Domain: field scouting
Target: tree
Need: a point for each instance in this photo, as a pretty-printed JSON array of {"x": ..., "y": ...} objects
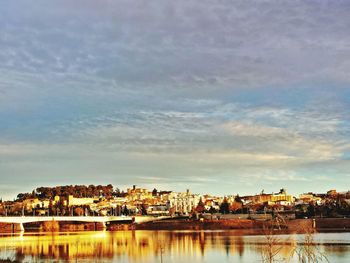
[
  {"x": 200, "y": 206},
  {"x": 235, "y": 206},
  {"x": 51, "y": 207},
  {"x": 212, "y": 210},
  {"x": 107, "y": 191},
  {"x": 116, "y": 192},
  {"x": 79, "y": 211},
  {"x": 238, "y": 199},
  {"x": 22, "y": 196},
  {"x": 78, "y": 191},
  {"x": 311, "y": 210},
  {"x": 61, "y": 208},
  {"x": 154, "y": 192},
  {"x": 45, "y": 192},
  {"x": 143, "y": 209},
  {"x": 125, "y": 211},
  {"x": 225, "y": 207}
]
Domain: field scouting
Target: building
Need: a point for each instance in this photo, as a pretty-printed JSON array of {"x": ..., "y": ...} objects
[
  {"x": 183, "y": 203},
  {"x": 332, "y": 192},
  {"x": 212, "y": 202},
  {"x": 73, "y": 201},
  {"x": 275, "y": 198},
  {"x": 309, "y": 198},
  {"x": 158, "y": 210},
  {"x": 138, "y": 194}
]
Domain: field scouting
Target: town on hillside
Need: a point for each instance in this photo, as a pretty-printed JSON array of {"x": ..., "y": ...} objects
[{"x": 81, "y": 200}]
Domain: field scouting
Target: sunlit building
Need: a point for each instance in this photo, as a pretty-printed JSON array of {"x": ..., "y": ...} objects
[
  {"x": 138, "y": 194},
  {"x": 73, "y": 201},
  {"x": 183, "y": 203},
  {"x": 309, "y": 198},
  {"x": 275, "y": 198}
]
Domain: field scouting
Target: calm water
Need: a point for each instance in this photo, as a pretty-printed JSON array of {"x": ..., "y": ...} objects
[{"x": 163, "y": 246}]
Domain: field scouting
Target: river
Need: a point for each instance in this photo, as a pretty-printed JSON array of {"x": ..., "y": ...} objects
[{"x": 170, "y": 246}]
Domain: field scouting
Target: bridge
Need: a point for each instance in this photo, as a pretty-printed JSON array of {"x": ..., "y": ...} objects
[{"x": 84, "y": 219}]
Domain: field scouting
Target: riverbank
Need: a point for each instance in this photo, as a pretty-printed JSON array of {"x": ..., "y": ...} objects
[
  {"x": 52, "y": 226},
  {"x": 295, "y": 225}
]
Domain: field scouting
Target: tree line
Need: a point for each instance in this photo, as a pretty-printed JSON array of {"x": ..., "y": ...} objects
[{"x": 78, "y": 191}]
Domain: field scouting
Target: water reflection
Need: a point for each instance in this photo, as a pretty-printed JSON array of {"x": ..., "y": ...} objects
[{"x": 154, "y": 246}]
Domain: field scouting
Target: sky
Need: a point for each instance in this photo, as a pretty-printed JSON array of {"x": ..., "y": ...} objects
[{"x": 220, "y": 97}]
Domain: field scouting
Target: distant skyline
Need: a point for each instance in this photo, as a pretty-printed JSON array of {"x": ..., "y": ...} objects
[{"x": 220, "y": 97}]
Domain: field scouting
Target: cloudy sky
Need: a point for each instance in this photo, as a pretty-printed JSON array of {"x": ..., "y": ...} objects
[{"x": 217, "y": 96}]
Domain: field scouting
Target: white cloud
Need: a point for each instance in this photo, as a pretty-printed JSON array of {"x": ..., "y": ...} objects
[{"x": 188, "y": 89}]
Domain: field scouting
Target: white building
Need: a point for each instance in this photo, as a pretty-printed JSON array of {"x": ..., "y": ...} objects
[{"x": 183, "y": 203}]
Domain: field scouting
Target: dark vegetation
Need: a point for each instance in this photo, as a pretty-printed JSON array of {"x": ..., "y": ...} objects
[{"x": 79, "y": 191}]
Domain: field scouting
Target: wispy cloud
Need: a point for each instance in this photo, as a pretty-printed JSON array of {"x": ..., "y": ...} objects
[{"x": 191, "y": 91}]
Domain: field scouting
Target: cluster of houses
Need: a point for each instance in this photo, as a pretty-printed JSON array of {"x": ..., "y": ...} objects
[{"x": 140, "y": 201}]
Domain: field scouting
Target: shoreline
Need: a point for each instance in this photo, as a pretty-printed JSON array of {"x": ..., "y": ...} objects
[{"x": 288, "y": 226}]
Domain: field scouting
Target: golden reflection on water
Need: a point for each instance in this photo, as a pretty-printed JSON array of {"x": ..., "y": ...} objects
[{"x": 133, "y": 246}]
